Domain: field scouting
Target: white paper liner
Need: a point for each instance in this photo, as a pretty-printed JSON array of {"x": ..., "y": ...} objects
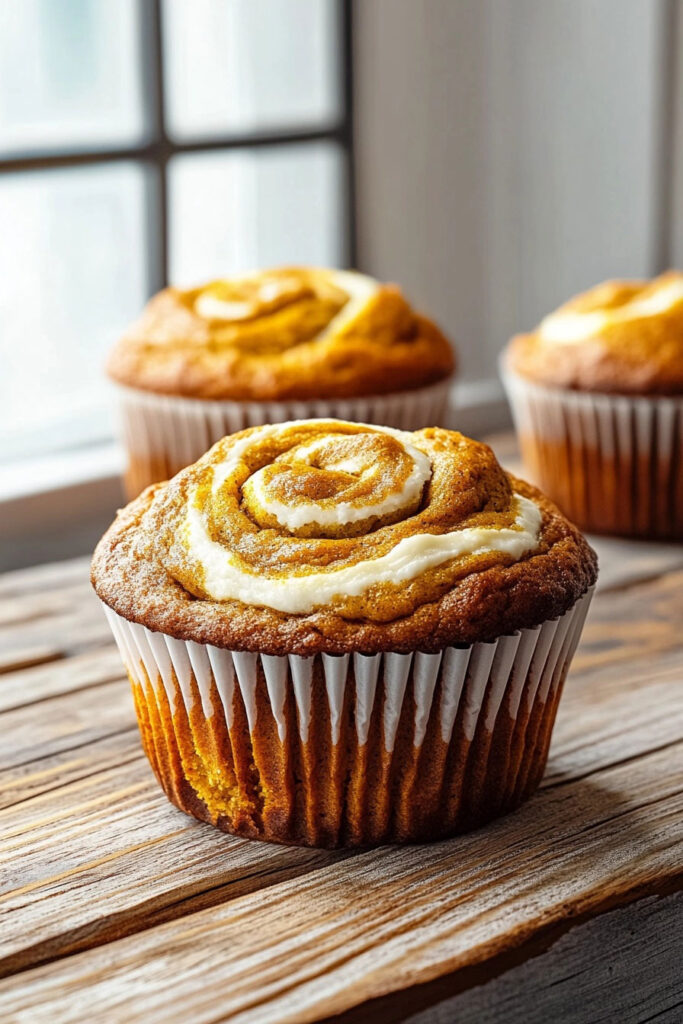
[
  {"x": 623, "y": 470},
  {"x": 478, "y": 685},
  {"x": 165, "y": 433}
]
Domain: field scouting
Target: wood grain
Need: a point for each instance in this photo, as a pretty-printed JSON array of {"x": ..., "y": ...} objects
[
  {"x": 354, "y": 930},
  {"x": 44, "y": 615},
  {"x": 575, "y": 983},
  {"x": 37, "y": 681},
  {"x": 52, "y": 576},
  {"x": 112, "y": 903}
]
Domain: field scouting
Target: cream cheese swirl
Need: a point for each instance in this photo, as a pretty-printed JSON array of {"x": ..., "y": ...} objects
[
  {"x": 326, "y": 514},
  {"x": 568, "y": 326},
  {"x": 257, "y": 292},
  {"x": 412, "y": 556},
  {"x": 368, "y": 521}
]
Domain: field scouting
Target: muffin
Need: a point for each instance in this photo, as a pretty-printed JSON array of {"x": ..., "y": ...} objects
[
  {"x": 269, "y": 347},
  {"x": 597, "y": 396},
  {"x": 339, "y": 634}
]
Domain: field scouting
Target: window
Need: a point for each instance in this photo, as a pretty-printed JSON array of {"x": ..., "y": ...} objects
[{"x": 147, "y": 141}]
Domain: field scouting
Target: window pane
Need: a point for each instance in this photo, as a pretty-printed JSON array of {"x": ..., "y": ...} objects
[
  {"x": 70, "y": 74},
  {"x": 246, "y": 65},
  {"x": 71, "y": 280},
  {"x": 237, "y": 210}
]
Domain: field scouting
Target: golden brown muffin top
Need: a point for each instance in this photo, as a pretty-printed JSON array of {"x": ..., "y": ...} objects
[
  {"x": 291, "y": 333},
  {"x": 322, "y": 535},
  {"x": 623, "y": 337}
]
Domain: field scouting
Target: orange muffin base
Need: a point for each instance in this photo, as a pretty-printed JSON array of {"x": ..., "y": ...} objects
[
  {"x": 640, "y": 497},
  {"x": 613, "y": 464},
  {"x": 437, "y": 744}
]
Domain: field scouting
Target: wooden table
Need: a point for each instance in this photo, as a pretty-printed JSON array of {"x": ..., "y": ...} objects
[{"x": 116, "y": 907}]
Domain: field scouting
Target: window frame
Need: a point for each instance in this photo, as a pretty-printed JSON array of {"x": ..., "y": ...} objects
[
  {"x": 76, "y": 487},
  {"x": 158, "y": 147}
]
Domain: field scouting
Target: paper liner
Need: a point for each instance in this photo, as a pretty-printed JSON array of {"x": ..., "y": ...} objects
[
  {"x": 613, "y": 463},
  {"x": 354, "y": 749},
  {"x": 163, "y": 433}
]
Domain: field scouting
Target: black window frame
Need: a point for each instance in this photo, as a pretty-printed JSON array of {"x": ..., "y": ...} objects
[{"x": 158, "y": 147}]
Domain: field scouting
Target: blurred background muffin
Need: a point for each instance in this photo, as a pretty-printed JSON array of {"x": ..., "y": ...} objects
[
  {"x": 269, "y": 347},
  {"x": 597, "y": 394}
]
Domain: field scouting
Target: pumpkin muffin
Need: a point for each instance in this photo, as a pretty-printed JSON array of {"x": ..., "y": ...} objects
[
  {"x": 339, "y": 634},
  {"x": 268, "y": 347},
  {"x": 597, "y": 395}
]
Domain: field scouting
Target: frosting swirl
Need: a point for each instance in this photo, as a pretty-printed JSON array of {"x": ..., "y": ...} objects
[
  {"x": 317, "y": 303},
  {"x": 579, "y": 320},
  {"x": 623, "y": 337},
  {"x": 368, "y": 521},
  {"x": 290, "y": 333}
]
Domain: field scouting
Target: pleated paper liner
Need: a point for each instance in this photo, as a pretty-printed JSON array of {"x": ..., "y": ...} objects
[
  {"x": 349, "y": 750},
  {"x": 613, "y": 463},
  {"x": 162, "y": 433}
]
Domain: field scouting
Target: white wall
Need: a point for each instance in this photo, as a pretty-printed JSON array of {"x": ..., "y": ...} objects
[
  {"x": 508, "y": 155},
  {"x": 672, "y": 207}
]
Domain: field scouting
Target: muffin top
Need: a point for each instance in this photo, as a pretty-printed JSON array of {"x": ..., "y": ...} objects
[
  {"x": 323, "y": 535},
  {"x": 623, "y": 337},
  {"x": 291, "y": 333}
]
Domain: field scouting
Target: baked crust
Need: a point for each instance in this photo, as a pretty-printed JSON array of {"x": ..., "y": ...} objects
[
  {"x": 638, "y": 355},
  {"x": 136, "y": 568},
  {"x": 277, "y": 336}
]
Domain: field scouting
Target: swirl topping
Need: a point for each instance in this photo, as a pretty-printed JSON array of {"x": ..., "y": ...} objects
[
  {"x": 286, "y": 333},
  {"x": 335, "y": 483},
  {"x": 620, "y": 337},
  {"x": 324, "y": 302},
  {"x": 368, "y": 521},
  {"x": 607, "y": 307}
]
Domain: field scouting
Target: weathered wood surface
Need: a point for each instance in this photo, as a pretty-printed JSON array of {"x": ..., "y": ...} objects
[
  {"x": 635, "y": 949},
  {"x": 116, "y": 907}
]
